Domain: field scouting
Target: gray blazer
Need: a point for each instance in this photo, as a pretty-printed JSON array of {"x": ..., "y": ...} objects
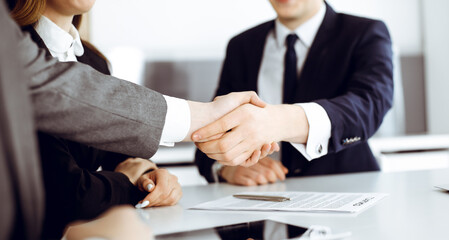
[
  {"x": 70, "y": 100},
  {"x": 75, "y": 102},
  {"x": 21, "y": 191}
]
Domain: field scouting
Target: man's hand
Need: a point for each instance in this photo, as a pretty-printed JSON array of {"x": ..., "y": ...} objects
[
  {"x": 117, "y": 223},
  {"x": 246, "y": 129},
  {"x": 206, "y": 113},
  {"x": 267, "y": 170},
  {"x": 163, "y": 187},
  {"x": 133, "y": 168}
]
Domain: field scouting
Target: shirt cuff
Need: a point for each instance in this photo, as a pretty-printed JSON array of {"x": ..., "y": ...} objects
[
  {"x": 216, "y": 168},
  {"x": 319, "y": 132},
  {"x": 177, "y": 121}
]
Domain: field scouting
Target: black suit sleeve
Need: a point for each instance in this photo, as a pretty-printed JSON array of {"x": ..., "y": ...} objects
[
  {"x": 360, "y": 110},
  {"x": 75, "y": 193}
]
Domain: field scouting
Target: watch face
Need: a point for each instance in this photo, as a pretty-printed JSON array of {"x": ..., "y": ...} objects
[{"x": 259, "y": 230}]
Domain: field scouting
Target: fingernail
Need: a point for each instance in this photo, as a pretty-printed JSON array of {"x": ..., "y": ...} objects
[
  {"x": 138, "y": 206},
  {"x": 149, "y": 186},
  {"x": 196, "y": 137},
  {"x": 144, "y": 204}
]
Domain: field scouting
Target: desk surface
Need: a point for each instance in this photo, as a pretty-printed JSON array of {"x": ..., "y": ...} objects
[{"x": 414, "y": 209}]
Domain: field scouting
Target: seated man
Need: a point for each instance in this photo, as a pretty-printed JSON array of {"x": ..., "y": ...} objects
[{"x": 329, "y": 78}]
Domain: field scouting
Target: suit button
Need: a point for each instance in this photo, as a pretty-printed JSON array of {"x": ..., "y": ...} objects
[
  {"x": 298, "y": 170},
  {"x": 319, "y": 149}
]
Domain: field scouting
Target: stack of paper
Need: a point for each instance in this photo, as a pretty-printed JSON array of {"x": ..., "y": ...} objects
[{"x": 299, "y": 201}]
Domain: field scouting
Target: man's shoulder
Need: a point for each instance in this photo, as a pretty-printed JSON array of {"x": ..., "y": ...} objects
[
  {"x": 355, "y": 23},
  {"x": 255, "y": 33}
]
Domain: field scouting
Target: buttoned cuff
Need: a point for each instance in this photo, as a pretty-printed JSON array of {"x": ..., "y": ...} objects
[
  {"x": 177, "y": 121},
  {"x": 319, "y": 132}
]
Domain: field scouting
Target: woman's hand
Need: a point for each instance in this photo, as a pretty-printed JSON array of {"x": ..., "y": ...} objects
[
  {"x": 133, "y": 168},
  {"x": 163, "y": 189}
]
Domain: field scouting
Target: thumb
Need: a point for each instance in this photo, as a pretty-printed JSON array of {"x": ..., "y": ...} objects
[
  {"x": 255, "y": 100},
  {"x": 146, "y": 184},
  {"x": 250, "y": 97}
]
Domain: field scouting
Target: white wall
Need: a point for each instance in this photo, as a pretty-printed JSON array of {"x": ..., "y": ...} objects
[
  {"x": 436, "y": 48},
  {"x": 180, "y": 29},
  {"x": 175, "y": 29},
  {"x": 403, "y": 18}
]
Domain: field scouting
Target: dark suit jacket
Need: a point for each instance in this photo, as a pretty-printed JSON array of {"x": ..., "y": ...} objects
[
  {"x": 74, "y": 189},
  {"x": 348, "y": 71}
]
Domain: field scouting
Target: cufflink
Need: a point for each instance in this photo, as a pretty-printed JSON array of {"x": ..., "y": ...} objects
[
  {"x": 348, "y": 141},
  {"x": 319, "y": 149}
]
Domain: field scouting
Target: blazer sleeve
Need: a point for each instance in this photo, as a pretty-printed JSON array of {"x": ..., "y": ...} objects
[
  {"x": 73, "y": 192},
  {"x": 358, "y": 113},
  {"x": 232, "y": 72},
  {"x": 110, "y": 160},
  {"x": 73, "y": 101}
]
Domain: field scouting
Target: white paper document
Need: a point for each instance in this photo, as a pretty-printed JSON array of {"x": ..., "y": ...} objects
[{"x": 299, "y": 202}]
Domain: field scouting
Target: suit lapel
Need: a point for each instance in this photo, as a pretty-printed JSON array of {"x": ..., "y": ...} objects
[
  {"x": 255, "y": 53},
  {"x": 316, "y": 54}
]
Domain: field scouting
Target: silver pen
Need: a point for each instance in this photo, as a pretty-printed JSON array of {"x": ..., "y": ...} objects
[{"x": 262, "y": 197}]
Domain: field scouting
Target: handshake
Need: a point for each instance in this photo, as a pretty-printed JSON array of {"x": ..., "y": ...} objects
[{"x": 239, "y": 128}]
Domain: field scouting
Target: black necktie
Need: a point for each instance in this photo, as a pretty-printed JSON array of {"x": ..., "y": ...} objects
[
  {"x": 290, "y": 77},
  {"x": 290, "y": 69}
]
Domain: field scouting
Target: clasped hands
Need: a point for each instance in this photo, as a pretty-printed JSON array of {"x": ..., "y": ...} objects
[
  {"x": 248, "y": 129},
  {"x": 162, "y": 187}
]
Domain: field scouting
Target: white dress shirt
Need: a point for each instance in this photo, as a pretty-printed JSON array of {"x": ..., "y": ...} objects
[
  {"x": 270, "y": 82},
  {"x": 66, "y": 46}
]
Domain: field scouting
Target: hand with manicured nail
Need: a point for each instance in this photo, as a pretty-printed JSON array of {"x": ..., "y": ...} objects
[
  {"x": 133, "y": 168},
  {"x": 163, "y": 189}
]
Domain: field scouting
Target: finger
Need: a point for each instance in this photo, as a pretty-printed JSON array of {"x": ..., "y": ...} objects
[
  {"x": 147, "y": 185},
  {"x": 255, "y": 157},
  {"x": 155, "y": 197},
  {"x": 252, "y": 160},
  {"x": 142, "y": 204},
  {"x": 274, "y": 148},
  {"x": 162, "y": 186},
  {"x": 245, "y": 181},
  {"x": 255, "y": 100},
  {"x": 223, "y": 145},
  {"x": 222, "y": 125},
  {"x": 256, "y": 176},
  {"x": 234, "y": 162},
  {"x": 266, "y": 148},
  {"x": 215, "y": 137},
  {"x": 275, "y": 167},
  {"x": 235, "y": 157},
  {"x": 269, "y": 174}
]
